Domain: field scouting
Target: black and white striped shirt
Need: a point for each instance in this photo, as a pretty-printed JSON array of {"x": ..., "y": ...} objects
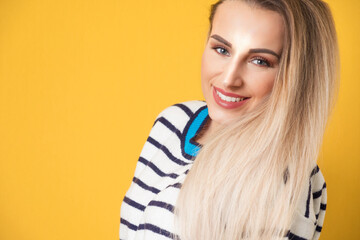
[{"x": 166, "y": 158}]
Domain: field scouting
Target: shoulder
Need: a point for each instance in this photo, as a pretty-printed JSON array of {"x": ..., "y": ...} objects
[
  {"x": 182, "y": 109},
  {"x": 317, "y": 194},
  {"x": 314, "y": 196},
  {"x": 310, "y": 213},
  {"x": 318, "y": 199},
  {"x": 179, "y": 114},
  {"x": 317, "y": 181}
]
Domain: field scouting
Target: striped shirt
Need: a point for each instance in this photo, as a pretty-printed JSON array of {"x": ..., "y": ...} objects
[{"x": 166, "y": 158}]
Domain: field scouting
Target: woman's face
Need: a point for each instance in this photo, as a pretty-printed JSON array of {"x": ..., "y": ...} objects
[{"x": 241, "y": 59}]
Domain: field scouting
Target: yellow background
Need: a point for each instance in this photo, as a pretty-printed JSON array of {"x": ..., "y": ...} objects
[{"x": 81, "y": 82}]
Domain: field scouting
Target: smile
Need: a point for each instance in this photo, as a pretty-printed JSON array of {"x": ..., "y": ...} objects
[{"x": 228, "y": 100}]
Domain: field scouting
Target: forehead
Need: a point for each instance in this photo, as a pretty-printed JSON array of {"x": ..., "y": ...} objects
[{"x": 240, "y": 23}]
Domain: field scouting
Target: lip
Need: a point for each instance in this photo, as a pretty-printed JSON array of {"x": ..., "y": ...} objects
[
  {"x": 225, "y": 104},
  {"x": 227, "y": 93}
]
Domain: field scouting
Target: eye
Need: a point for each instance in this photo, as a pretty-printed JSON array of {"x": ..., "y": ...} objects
[
  {"x": 221, "y": 51},
  {"x": 261, "y": 62}
]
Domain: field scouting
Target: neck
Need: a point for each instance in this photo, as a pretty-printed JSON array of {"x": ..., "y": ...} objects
[{"x": 209, "y": 127}]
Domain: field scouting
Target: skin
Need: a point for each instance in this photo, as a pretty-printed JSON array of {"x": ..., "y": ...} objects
[{"x": 241, "y": 56}]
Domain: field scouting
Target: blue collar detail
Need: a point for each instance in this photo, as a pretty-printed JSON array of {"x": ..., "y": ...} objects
[{"x": 191, "y": 147}]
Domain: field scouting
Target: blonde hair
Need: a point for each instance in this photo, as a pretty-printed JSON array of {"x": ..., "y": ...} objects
[{"x": 248, "y": 177}]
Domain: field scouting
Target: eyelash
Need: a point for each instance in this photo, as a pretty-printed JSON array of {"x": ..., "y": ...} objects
[
  {"x": 267, "y": 62},
  {"x": 218, "y": 47}
]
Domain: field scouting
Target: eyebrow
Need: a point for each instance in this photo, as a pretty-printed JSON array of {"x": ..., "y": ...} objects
[
  {"x": 220, "y": 39},
  {"x": 264, "y": 50},
  {"x": 253, "y": 50}
]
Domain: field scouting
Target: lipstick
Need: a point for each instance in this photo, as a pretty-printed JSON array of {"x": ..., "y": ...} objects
[{"x": 228, "y": 100}]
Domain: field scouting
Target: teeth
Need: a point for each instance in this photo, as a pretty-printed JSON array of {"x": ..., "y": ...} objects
[{"x": 228, "y": 99}]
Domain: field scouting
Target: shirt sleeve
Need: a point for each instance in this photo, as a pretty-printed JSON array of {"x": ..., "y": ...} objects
[
  {"x": 319, "y": 197},
  {"x": 310, "y": 213}
]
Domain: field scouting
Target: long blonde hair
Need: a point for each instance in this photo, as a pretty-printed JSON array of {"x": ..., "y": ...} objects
[{"x": 248, "y": 177}]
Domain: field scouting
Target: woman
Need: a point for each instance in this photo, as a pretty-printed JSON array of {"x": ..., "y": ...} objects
[{"x": 268, "y": 77}]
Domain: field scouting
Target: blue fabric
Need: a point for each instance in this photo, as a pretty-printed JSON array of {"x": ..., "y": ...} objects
[{"x": 191, "y": 147}]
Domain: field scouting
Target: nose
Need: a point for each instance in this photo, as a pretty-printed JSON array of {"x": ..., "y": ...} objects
[{"x": 233, "y": 76}]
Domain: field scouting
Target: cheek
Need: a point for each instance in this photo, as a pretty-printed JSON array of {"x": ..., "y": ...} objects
[
  {"x": 204, "y": 66},
  {"x": 209, "y": 67},
  {"x": 205, "y": 72},
  {"x": 263, "y": 85}
]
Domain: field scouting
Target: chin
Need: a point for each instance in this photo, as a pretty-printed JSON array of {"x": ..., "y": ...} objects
[{"x": 219, "y": 116}]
